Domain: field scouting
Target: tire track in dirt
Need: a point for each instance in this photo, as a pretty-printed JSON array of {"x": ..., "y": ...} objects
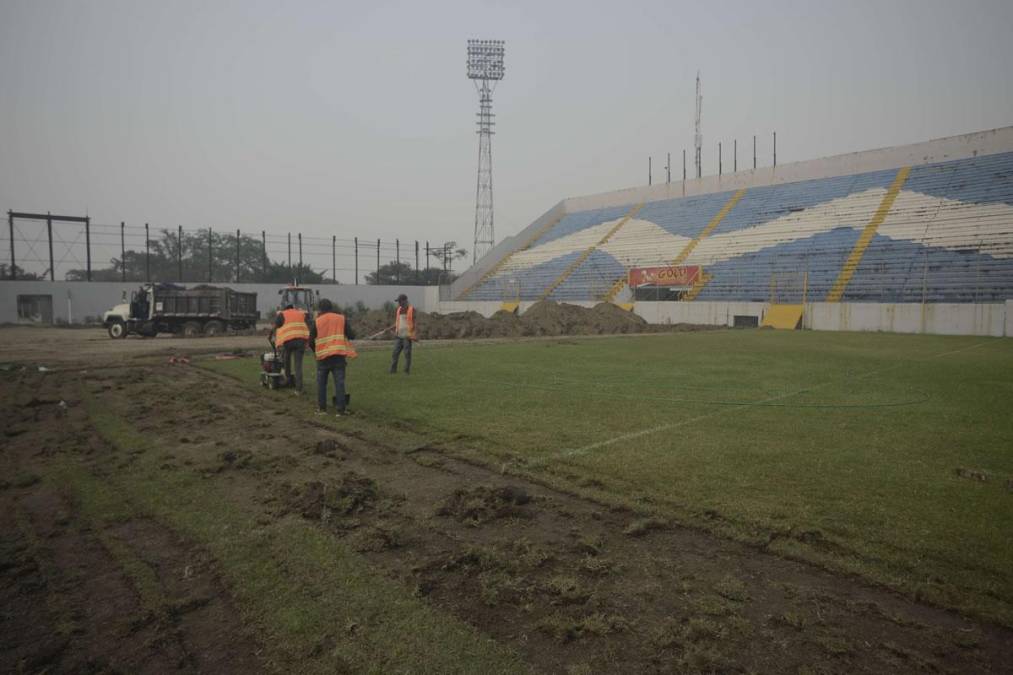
[
  {"x": 73, "y": 589},
  {"x": 572, "y": 584}
]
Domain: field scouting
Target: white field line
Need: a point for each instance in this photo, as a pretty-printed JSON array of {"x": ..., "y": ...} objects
[{"x": 573, "y": 452}]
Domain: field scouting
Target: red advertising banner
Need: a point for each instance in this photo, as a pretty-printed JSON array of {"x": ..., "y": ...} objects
[{"x": 663, "y": 276}]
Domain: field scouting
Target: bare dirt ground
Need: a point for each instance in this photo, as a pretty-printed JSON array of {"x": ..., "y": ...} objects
[{"x": 571, "y": 584}]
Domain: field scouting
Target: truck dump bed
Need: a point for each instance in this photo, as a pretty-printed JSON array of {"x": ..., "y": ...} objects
[{"x": 205, "y": 302}]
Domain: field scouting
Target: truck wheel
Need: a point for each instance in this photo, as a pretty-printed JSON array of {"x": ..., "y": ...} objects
[
  {"x": 212, "y": 328},
  {"x": 191, "y": 329},
  {"x": 117, "y": 330}
]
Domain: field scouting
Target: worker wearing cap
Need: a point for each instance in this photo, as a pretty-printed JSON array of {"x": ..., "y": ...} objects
[
  {"x": 330, "y": 339},
  {"x": 291, "y": 333},
  {"x": 404, "y": 334}
]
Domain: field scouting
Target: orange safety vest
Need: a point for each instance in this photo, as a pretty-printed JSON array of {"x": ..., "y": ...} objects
[
  {"x": 410, "y": 315},
  {"x": 294, "y": 328},
  {"x": 331, "y": 340}
]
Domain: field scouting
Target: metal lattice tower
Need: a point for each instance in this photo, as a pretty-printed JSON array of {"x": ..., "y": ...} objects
[
  {"x": 485, "y": 68},
  {"x": 698, "y": 138}
]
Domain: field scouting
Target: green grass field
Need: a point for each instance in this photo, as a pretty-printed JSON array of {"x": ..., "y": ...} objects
[{"x": 839, "y": 448}]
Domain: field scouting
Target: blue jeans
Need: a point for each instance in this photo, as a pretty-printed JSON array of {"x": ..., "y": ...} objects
[
  {"x": 333, "y": 365},
  {"x": 405, "y": 345}
]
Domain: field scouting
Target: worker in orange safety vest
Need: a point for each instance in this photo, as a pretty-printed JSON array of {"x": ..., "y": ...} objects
[
  {"x": 292, "y": 333},
  {"x": 404, "y": 334},
  {"x": 330, "y": 339}
]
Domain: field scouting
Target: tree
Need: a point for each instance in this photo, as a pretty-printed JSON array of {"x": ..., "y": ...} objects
[
  {"x": 19, "y": 273},
  {"x": 169, "y": 253},
  {"x": 403, "y": 273}
]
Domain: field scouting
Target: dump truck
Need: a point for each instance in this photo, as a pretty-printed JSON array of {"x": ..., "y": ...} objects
[{"x": 170, "y": 308}]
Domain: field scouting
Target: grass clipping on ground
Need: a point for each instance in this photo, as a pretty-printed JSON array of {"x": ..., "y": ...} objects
[{"x": 319, "y": 606}]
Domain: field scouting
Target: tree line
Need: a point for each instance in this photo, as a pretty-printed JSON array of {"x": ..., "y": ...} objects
[{"x": 175, "y": 258}]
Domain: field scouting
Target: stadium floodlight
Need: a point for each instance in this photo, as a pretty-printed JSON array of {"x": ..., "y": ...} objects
[
  {"x": 485, "y": 68},
  {"x": 485, "y": 59}
]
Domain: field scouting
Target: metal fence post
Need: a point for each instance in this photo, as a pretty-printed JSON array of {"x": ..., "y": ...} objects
[
  {"x": 147, "y": 254},
  {"x": 10, "y": 222},
  {"x": 87, "y": 246},
  {"x": 179, "y": 252},
  {"x": 49, "y": 229}
]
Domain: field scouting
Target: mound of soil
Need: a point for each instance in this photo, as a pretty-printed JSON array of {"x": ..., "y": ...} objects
[
  {"x": 481, "y": 504},
  {"x": 545, "y": 318},
  {"x": 354, "y": 494}
]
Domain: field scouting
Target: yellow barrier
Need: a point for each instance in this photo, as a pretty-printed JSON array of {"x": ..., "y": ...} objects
[{"x": 783, "y": 317}]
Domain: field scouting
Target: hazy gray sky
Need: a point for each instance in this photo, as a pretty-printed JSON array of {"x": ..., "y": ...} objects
[{"x": 357, "y": 119}]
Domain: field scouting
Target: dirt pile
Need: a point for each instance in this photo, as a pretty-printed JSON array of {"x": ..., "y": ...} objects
[
  {"x": 354, "y": 494},
  {"x": 545, "y": 318},
  {"x": 483, "y": 503}
]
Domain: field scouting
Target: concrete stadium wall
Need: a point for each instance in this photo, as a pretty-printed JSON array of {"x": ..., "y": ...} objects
[
  {"x": 703, "y": 313},
  {"x": 73, "y": 301},
  {"x": 994, "y": 319},
  {"x": 935, "y": 319},
  {"x": 940, "y": 150}
]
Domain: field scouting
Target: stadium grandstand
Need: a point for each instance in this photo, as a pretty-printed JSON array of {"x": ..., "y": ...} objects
[{"x": 926, "y": 223}]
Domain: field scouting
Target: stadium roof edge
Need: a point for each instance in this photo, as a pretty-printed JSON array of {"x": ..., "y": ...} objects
[{"x": 979, "y": 143}]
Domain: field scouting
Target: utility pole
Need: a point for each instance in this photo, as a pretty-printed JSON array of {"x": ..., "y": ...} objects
[{"x": 698, "y": 137}]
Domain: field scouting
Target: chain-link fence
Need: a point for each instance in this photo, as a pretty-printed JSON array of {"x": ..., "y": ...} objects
[{"x": 43, "y": 246}]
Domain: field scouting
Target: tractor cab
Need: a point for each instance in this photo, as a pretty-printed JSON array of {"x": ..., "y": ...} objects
[{"x": 300, "y": 298}]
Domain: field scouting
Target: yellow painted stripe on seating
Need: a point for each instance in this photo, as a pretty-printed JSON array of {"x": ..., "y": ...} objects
[
  {"x": 502, "y": 261},
  {"x": 714, "y": 222},
  {"x": 702, "y": 281},
  {"x": 851, "y": 264},
  {"x": 698, "y": 285},
  {"x": 509, "y": 307},
  {"x": 614, "y": 291},
  {"x": 588, "y": 251}
]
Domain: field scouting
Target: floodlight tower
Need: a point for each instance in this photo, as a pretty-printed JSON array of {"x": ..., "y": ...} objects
[
  {"x": 698, "y": 139},
  {"x": 485, "y": 68}
]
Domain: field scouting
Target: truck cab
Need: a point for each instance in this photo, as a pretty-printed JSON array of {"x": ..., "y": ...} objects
[{"x": 123, "y": 318}]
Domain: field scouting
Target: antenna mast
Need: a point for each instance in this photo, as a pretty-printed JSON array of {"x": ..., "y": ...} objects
[
  {"x": 698, "y": 139},
  {"x": 485, "y": 68}
]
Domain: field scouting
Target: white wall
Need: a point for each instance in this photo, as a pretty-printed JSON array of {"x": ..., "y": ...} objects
[
  {"x": 703, "y": 313},
  {"x": 939, "y": 319},
  {"x": 91, "y": 299},
  {"x": 936, "y": 319}
]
